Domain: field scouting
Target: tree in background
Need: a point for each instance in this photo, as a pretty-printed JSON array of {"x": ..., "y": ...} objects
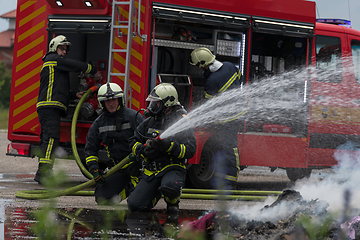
[{"x": 5, "y": 85}]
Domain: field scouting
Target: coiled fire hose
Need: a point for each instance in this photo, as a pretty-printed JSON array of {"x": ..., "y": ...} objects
[{"x": 207, "y": 194}]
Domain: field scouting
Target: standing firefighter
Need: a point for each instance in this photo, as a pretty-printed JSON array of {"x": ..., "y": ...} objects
[
  {"x": 164, "y": 169},
  {"x": 113, "y": 129},
  {"x": 54, "y": 97},
  {"x": 220, "y": 77}
]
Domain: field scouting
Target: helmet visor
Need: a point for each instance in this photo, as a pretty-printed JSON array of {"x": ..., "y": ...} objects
[{"x": 153, "y": 96}]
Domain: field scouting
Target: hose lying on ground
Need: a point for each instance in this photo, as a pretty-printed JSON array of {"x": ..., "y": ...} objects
[
  {"x": 213, "y": 194},
  {"x": 210, "y": 194},
  {"x": 232, "y": 192},
  {"x": 44, "y": 194}
]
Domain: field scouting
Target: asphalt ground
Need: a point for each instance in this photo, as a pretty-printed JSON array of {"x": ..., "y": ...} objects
[
  {"x": 17, "y": 173},
  {"x": 17, "y": 214}
]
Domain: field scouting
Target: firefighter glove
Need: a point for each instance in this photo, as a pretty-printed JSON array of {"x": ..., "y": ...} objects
[
  {"x": 132, "y": 157},
  {"x": 151, "y": 153},
  {"x": 164, "y": 145},
  {"x": 139, "y": 151},
  {"x": 97, "y": 176}
]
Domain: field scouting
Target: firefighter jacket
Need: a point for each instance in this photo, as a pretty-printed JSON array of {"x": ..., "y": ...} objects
[
  {"x": 183, "y": 143},
  {"x": 226, "y": 77},
  {"x": 112, "y": 130},
  {"x": 54, "y": 91}
]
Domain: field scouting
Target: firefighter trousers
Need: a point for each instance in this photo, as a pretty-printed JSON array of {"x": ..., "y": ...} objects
[
  {"x": 225, "y": 154},
  {"x": 147, "y": 193},
  {"x": 115, "y": 189},
  {"x": 49, "y": 119}
]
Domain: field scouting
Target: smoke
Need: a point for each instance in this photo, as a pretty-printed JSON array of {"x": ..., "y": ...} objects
[
  {"x": 329, "y": 191},
  {"x": 345, "y": 177}
]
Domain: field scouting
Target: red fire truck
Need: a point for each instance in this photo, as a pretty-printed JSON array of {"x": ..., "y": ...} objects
[{"x": 138, "y": 44}]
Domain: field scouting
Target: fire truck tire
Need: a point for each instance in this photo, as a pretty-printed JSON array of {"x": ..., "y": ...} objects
[
  {"x": 295, "y": 174},
  {"x": 200, "y": 175}
]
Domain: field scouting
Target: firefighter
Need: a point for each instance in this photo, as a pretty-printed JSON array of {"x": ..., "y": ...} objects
[
  {"x": 54, "y": 97},
  {"x": 164, "y": 169},
  {"x": 220, "y": 77},
  {"x": 112, "y": 128}
]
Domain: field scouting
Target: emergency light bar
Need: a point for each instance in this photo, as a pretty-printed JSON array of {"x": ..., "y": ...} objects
[{"x": 340, "y": 22}]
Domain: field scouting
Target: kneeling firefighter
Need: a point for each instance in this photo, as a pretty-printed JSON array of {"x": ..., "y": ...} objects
[
  {"x": 163, "y": 160},
  {"x": 112, "y": 128}
]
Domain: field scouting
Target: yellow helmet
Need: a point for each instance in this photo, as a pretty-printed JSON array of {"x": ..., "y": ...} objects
[
  {"x": 165, "y": 94},
  {"x": 60, "y": 40},
  {"x": 201, "y": 57},
  {"x": 110, "y": 91}
]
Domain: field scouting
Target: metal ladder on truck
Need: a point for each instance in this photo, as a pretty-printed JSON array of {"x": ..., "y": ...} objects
[{"x": 118, "y": 25}]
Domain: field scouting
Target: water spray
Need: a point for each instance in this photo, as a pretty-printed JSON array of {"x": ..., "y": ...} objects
[{"x": 280, "y": 99}]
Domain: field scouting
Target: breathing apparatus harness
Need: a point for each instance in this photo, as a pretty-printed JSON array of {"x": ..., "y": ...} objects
[{"x": 147, "y": 114}]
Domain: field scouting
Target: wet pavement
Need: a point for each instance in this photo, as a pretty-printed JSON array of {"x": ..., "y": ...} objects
[
  {"x": 79, "y": 217},
  {"x": 82, "y": 223}
]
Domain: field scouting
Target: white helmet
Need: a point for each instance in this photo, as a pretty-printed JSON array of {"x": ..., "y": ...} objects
[
  {"x": 110, "y": 91},
  {"x": 60, "y": 40},
  {"x": 201, "y": 57},
  {"x": 165, "y": 93}
]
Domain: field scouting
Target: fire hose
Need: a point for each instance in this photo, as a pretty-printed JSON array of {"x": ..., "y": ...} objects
[
  {"x": 209, "y": 194},
  {"x": 73, "y": 131},
  {"x": 45, "y": 194}
]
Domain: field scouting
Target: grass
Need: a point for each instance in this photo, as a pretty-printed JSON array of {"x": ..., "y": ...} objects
[{"x": 4, "y": 118}]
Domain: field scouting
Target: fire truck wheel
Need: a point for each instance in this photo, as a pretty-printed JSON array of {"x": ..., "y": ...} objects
[
  {"x": 200, "y": 175},
  {"x": 295, "y": 174}
]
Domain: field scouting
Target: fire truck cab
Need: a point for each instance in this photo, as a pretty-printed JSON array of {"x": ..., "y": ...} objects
[{"x": 139, "y": 44}]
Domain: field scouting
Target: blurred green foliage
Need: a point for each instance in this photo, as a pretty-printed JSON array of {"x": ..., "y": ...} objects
[
  {"x": 4, "y": 118},
  {"x": 5, "y": 85}
]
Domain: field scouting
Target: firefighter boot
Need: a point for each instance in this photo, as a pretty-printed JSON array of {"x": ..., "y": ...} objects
[
  {"x": 173, "y": 208},
  {"x": 43, "y": 171},
  {"x": 172, "y": 199}
]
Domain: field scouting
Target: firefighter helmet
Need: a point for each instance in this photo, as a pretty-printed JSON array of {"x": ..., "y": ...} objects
[
  {"x": 60, "y": 40},
  {"x": 201, "y": 57},
  {"x": 110, "y": 91},
  {"x": 163, "y": 95}
]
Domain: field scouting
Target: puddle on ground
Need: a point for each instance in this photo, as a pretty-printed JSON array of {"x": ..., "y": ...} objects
[{"x": 71, "y": 223}]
